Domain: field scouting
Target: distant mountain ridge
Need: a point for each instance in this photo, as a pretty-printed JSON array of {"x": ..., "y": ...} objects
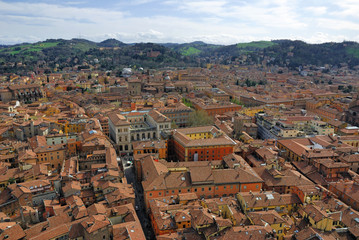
[
  {"x": 113, "y": 54},
  {"x": 111, "y": 43}
]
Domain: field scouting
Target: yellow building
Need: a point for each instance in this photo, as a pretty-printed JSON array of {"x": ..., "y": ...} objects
[
  {"x": 251, "y": 111},
  {"x": 76, "y": 126},
  {"x": 263, "y": 201},
  {"x": 352, "y": 140},
  {"x": 223, "y": 207},
  {"x": 317, "y": 217},
  {"x": 51, "y": 154},
  {"x": 271, "y": 218},
  {"x": 151, "y": 147},
  {"x": 50, "y": 111}
]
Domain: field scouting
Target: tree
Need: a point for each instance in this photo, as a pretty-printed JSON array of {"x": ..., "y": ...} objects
[
  {"x": 199, "y": 118},
  {"x": 262, "y": 82},
  {"x": 11, "y": 180},
  {"x": 173, "y": 125},
  {"x": 187, "y": 102}
]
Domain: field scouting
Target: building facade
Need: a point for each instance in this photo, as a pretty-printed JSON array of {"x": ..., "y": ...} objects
[
  {"x": 126, "y": 128},
  {"x": 201, "y": 144}
]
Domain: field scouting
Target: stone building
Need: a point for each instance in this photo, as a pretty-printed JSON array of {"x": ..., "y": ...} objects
[
  {"x": 22, "y": 93},
  {"x": 126, "y": 128}
]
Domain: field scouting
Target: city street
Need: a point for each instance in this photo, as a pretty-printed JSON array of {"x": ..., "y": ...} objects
[{"x": 129, "y": 172}]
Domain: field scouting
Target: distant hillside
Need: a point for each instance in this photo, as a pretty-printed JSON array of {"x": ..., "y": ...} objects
[
  {"x": 256, "y": 45},
  {"x": 111, "y": 43},
  {"x": 111, "y": 54},
  {"x": 297, "y": 53},
  {"x": 236, "y": 50},
  {"x": 289, "y": 53},
  {"x": 193, "y": 48},
  {"x": 56, "y": 54}
]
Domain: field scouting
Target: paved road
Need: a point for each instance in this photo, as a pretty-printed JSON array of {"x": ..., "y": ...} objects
[{"x": 141, "y": 212}]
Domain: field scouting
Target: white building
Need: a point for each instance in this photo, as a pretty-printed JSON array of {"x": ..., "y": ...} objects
[{"x": 129, "y": 127}]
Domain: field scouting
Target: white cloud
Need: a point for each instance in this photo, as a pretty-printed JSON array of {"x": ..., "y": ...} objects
[
  {"x": 316, "y": 10},
  {"x": 337, "y": 24},
  {"x": 346, "y": 8},
  {"x": 214, "y": 21}
]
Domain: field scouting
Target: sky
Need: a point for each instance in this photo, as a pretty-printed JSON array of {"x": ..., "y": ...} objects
[{"x": 179, "y": 21}]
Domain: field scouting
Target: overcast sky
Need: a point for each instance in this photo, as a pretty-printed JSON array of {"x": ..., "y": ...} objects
[{"x": 211, "y": 21}]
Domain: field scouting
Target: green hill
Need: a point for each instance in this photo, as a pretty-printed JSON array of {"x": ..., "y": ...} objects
[
  {"x": 256, "y": 45},
  {"x": 111, "y": 54},
  {"x": 58, "y": 54},
  {"x": 26, "y": 48},
  {"x": 193, "y": 48},
  {"x": 187, "y": 51}
]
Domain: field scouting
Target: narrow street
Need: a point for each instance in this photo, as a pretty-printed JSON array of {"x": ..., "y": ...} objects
[{"x": 129, "y": 172}]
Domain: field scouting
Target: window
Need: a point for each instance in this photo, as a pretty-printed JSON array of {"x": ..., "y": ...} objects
[
  {"x": 224, "y": 187},
  {"x": 159, "y": 194},
  {"x": 195, "y": 189},
  {"x": 244, "y": 187},
  {"x": 202, "y": 189},
  {"x": 209, "y": 189},
  {"x": 150, "y": 194}
]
